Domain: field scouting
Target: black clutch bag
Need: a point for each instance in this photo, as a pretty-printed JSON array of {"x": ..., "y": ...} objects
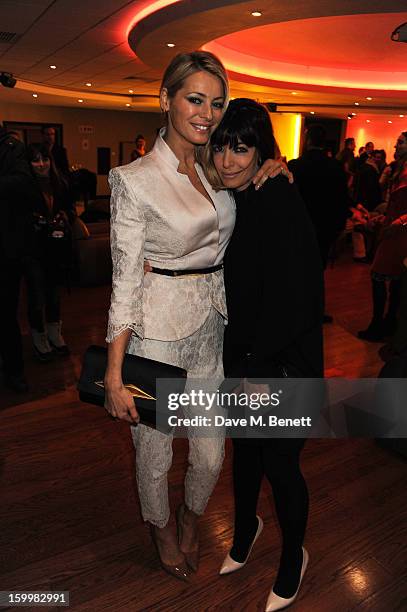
[{"x": 140, "y": 377}]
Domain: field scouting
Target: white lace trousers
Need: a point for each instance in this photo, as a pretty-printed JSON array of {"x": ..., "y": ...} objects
[{"x": 201, "y": 355}]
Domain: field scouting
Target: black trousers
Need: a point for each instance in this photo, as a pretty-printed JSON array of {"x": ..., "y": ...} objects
[
  {"x": 381, "y": 295},
  {"x": 10, "y": 336},
  {"x": 43, "y": 297},
  {"x": 279, "y": 460},
  {"x": 325, "y": 241}
]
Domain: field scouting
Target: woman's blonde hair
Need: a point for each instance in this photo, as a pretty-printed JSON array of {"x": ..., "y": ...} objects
[{"x": 185, "y": 64}]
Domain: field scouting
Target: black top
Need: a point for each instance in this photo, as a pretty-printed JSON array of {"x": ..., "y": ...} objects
[
  {"x": 61, "y": 197},
  {"x": 367, "y": 189},
  {"x": 60, "y": 158},
  {"x": 273, "y": 279},
  {"x": 16, "y": 189},
  {"x": 322, "y": 183}
]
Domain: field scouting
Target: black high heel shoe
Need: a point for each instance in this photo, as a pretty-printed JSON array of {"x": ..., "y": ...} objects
[{"x": 179, "y": 570}]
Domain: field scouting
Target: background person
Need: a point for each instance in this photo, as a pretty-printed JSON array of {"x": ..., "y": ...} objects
[
  {"x": 57, "y": 153},
  {"x": 323, "y": 187},
  {"x": 140, "y": 149},
  {"x": 16, "y": 184},
  {"x": 387, "y": 266},
  {"x": 51, "y": 253},
  {"x": 346, "y": 157}
]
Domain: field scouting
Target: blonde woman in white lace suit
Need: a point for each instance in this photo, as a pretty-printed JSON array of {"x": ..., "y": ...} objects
[{"x": 163, "y": 210}]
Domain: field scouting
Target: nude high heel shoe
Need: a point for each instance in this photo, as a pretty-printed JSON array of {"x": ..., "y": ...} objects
[
  {"x": 179, "y": 570},
  {"x": 229, "y": 565},
  {"x": 192, "y": 556},
  {"x": 275, "y": 602}
]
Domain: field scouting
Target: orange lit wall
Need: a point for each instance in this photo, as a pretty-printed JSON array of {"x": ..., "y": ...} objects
[
  {"x": 287, "y": 131},
  {"x": 379, "y": 131}
]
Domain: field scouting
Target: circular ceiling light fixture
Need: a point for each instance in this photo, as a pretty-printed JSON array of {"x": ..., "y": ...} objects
[
  {"x": 53, "y": 67},
  {"x": 171, "y": 45},
  {"x": 80, "y": 100},
  {"x": 88, "y": 84},
  {"x": 35, "y": 95},
  {"x": 257, "y": 14},
  {"x": 369, "y": 98},
  {"x": 400, "y": 33}
]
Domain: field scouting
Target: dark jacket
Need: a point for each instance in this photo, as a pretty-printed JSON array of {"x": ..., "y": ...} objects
[
  {"x": 53, "y": 253},
  {"x": 322, "y": 183},
  {"x": 16, "y": 189},
  {"x": 274, "y": 283},
  {"x": 367, "y": 189},
  {"x": 62, "y": 199},
  {"x": 60, "y": 157}
]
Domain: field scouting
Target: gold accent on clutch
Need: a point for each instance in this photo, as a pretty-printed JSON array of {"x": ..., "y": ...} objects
[{"x": 135, "y": 391}]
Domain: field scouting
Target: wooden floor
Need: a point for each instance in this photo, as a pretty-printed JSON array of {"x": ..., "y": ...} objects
[{"x": 69, "y": 512}]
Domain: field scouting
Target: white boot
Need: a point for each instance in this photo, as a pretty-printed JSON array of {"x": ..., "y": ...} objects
[
  {"x": 42, "y": 347},
  {"x": 56, "y": 339}
]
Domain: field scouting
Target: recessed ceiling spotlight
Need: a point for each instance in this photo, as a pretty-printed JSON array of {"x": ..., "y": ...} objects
[
  {"x": 401, "y": 116},
  {"x": 356, "y": 103},
  {"x": 128, "y": 104},
  {"x": 35, "y": 95},
  {"x": 312, "y": 112},
  {"x": 80, "y": 100},
  {"x": 170, "y": 45},
  {"x": 369, "y": 98},
  {"x": 367, "y": 120},
  {"x": 390, "y": 122},
  {"x": 131, "y": 91},
  {"x": 88, "y": 84},
  {"x": 354, "y": 114},
  {"x": 53, "y": 67},
  {"x": 293, "y": 93},
  {"x": 256, "y": 13}
]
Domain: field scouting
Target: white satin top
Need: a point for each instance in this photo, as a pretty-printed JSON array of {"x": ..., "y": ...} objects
[{"x": 158, "y": 215}]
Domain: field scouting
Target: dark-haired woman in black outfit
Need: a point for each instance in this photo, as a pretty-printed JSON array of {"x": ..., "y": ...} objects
[
  {"x": 51, "y": 253},
  {"x": 274, "y": 293}
]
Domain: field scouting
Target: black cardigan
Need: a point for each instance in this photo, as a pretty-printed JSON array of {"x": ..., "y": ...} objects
[{"x": 274, "y": 281}]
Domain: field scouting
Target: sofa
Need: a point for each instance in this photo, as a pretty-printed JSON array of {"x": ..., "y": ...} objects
[{"x": 91, "y": 240}]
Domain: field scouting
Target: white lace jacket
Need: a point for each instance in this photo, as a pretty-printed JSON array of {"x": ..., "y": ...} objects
[{"x": 157, "y": 215}]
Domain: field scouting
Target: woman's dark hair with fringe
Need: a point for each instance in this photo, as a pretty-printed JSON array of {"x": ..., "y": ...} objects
[
  {"x": 245, "y": 121},
  {"x": 58, "y": 181}
]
